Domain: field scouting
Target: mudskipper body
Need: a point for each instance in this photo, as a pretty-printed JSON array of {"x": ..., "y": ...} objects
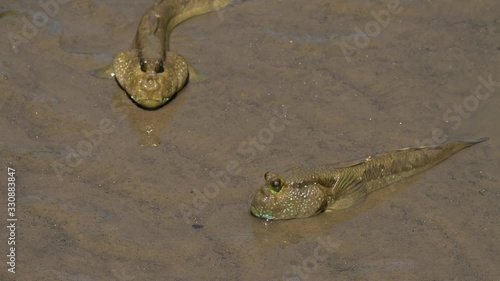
[
  {"x": 149, "y": 72},
  {"x": 303, "y": 192}
]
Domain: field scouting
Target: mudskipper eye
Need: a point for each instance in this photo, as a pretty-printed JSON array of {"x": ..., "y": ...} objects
[
  {"x": 143, "y": 65},
  {"x": 276, "y": 185},
  {"x": 159, "y": 67}
]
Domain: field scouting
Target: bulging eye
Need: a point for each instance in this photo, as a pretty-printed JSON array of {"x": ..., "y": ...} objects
[
  {"x": 143, "y": 63},
  {"x": 273, "y": 181},
  {"x": 159, "y": 67},
  {"x": 276, "y": 185}
]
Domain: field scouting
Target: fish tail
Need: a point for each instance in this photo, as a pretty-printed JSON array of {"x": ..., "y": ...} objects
[
  {"x": 160, "y": 19},
  {"x": 456, "y": 146},
  {"x": 479, "y": 140},
  {"x": 189, "y": 9},
  {"x": 394, "y": 166}
]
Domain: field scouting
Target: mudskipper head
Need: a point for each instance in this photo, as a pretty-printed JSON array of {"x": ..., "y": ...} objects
[
  {"x": 150, "y": 82},
  {"x": 150, "y": 74},
  {"x": 279, "y": 199}
]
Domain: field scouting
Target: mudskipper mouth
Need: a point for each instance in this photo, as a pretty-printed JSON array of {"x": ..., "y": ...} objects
[
  {"x": 150, "y": 103},
  {"x": 260, "y": 214}
]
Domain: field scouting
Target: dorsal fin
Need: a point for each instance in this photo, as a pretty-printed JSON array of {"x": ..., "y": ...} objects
[{"x": 153, "y": 22}]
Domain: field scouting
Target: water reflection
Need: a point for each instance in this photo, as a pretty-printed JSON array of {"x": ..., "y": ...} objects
[{"x": 148, "y": 124}]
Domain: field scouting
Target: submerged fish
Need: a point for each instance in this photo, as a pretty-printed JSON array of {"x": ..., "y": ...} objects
[
  {"x": 303, "y": 192},
  {"x": 149, "y": 72}
]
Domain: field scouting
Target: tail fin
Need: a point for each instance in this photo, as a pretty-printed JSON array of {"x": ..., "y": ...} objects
[
  {"x": 456, "y": 146},
  {"x": 387, "y": 168},
  {"x": 477, "y": 141},
  {"x": 190, "y": 9}
]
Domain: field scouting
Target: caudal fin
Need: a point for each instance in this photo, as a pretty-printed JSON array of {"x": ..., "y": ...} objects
[
  {"x": 391, "y": 167},
  {"x": 456, "y": 146},
  {"x": 478, "y": 140}
]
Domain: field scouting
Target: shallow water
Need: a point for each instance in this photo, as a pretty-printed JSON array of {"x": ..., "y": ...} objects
[{"x": 124, "y": 203}]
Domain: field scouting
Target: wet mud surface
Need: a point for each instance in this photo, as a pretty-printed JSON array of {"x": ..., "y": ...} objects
[{"x": 108, "y": 191}]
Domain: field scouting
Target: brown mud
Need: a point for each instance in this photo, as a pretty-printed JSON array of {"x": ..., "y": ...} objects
[{"x": 121, "y": 206}]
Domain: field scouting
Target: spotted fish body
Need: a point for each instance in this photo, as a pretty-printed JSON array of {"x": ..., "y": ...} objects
[
  {"x": 303, "y": 192},
  {"x": 149, "y": 72}
]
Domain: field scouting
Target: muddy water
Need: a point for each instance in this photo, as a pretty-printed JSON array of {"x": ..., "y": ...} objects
[{"x": 107, "y": 191}]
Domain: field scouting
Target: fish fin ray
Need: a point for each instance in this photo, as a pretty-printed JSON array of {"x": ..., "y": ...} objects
[
  {"x": 195, "y": 75},
  {"x": 348, "y": 191},
  {"x": 107, "y": 72}
]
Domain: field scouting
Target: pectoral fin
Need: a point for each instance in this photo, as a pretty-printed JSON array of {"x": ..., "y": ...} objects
[
  {"x": 348, "y": 191},
  {"x": 106, "y": 72},
  {"x": 195, "y": 75}
]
